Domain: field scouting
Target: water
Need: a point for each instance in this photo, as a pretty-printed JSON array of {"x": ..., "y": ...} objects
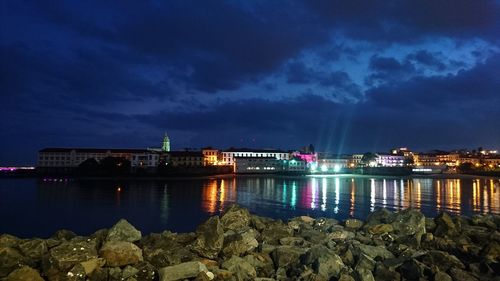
[{"x": 30, "y": 207}]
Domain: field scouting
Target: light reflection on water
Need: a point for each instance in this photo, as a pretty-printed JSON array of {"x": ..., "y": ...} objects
[{"x": 38, "y": 208}]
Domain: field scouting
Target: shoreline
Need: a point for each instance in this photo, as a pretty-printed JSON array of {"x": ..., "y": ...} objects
[{"x": 241, "y": 246}]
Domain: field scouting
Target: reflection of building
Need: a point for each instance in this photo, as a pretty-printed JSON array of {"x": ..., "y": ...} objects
[
  {"x": 257, "y": 165},
  {"x": 229, "y": 155}
]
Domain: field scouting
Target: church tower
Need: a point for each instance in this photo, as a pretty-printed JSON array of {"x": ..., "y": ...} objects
[{"x": 166, "y": 143}]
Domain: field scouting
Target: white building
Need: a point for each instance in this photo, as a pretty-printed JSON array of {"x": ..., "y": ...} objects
[
  {"x": 147, "y": 160},
  {"x": 390, "y": 160},
  {"x": 72, "y": 157},
  {"x": 258, "y": 165},
  {"x": 228, "y": 156}
]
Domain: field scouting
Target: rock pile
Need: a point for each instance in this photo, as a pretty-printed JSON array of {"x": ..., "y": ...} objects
[{"x": 239, "y": 246}]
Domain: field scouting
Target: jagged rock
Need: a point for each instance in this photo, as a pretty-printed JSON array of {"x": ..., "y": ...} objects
[
  {"x": 65, "y": 256},
  {"x": 443, "y": 260},
  {"x": 412, "y": 270},
  {"x": 123, "y": 231},
  {"x": 77, "y": 273},
  {"x": 236, "y": 218},
  {"x": 430, "y": 224},
  {"x": 259, "y": 223},
  {"x": 379, "y": 216},
  {"x": 34, "y": 248},
  {"x": 167, "y": 248},
  {"x": 7, "y": 240},
  {"x": 274, "y": 232},
  {"x": 461, "y": 275},
  {"x": 383, "y": 273},
  {"x": 10, "y": 259},
  {"x": 285, "y": 256},
  {"x": 442, "y": 276},
  {"x": 325, "y": 224},
  {"x": 120, "y": 253},
  {"x": 345, "y": 277},
  {"x": 91, "y": 265},
  {"x": 292, "y": 241},
  {"x": 353, "y": 223},
  {"x": 341, "y": 235},
  {"x": 115, "y": 274},
  {"x": 492, "y": 252},
  {"x": 262, "y": 263},
  {"x": 445, "y": 226},
  {"x": 129, "y": 271},
  {"x": 380, "y": 228},
  {"x": 241, "y": 269},
  {"x": 364, "y": 274},
  {"x": 409, "y": 223},
  {"x": 182, "y": 271},
  {"x": 210, "y": 238},
  {"x": 24, "y": 273},
  {"x": 328, "y": 266},
  {"x": 375, "y": 251},
  {"x": 484, "y": 220},
  {"x": 313, "y": 236},
  {"x": 366, "y": 262},
  {"x": 100, "y": 274},
  {"x": 145, "y": 271},
  {"x": 64, "y": 234},
  {"x": 240, "y": 243}
]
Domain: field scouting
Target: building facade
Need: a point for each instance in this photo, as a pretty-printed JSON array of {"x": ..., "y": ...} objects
[
  {"x": 72, "y": 157},
  {"x": 228, "y": 156},
  {"x": 185, "y": 158},
  {"x": 258, "y": 165}
]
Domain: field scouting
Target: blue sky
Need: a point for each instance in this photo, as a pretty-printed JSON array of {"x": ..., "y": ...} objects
[{"x": 346, "y": 76}]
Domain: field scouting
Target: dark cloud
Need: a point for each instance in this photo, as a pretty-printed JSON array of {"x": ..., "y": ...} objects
[
  {"x": 427, "y": 59},
  {"x": 388, "y": 70}
]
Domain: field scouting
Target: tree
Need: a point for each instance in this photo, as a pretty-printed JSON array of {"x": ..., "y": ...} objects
[
  {"x": 368, "y": 158},
  {"x": 115, "y": 166}
]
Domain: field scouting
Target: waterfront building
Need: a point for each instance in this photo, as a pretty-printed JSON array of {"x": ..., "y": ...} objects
[
  {"x": 210, "y": 156},
  {"x": 72, "y": 157},
  {"x": 334, "y": 165},
  {"x": 145, "y": 160},
  {"x": 389, "y": 160},
  {"x": 185, "y": 158},
  {"x": 448, "y": 159},
  {"x": 297, "y": 165},
  {"x": 166, "y": 143},
  {"x": 355, "y": 160},
  {"x": 258, "y": 165},
  {"x": 426, "y": 160},
  {"x": 228, "y": 156}
]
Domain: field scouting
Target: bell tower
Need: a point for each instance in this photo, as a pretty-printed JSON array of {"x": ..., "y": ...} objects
[{"x": 166, "y": 143}]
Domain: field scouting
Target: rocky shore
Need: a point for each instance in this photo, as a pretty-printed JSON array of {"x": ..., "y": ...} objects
[{"x": 240, "y": 246}]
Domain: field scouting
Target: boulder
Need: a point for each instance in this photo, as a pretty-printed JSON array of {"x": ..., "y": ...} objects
[
  {"x": 63, "y": 234},
  {"x": 286, "y": 256},
  {"x": 325, "y": 224},
  {"x": 120, "y": 253},
  {"x": 34, "y": 248},
  {"x": 409, "y": 223},
  {"x": 491, "y": 252},
  {"x": 443, "y": 260},
  {"x": 353, "y": 223},
  {"x": 241, "y": 270},
  {"x": 123, "y": 231},
  {"x": 91, "y": 265},
  {"x": 210, "y": 238},
  {"x": 182, "y": 271},
  {"x": 328, "y": 266},
  {"x": 274, "y": 232},
  {"x": 236, "y": 218},
  {"x": 364, "y": 274},
  {"x": 445, "y": 226},
  {"x": 442, "y": 276},
  {"x": 10, "y": 259},
  {"x": 341, "y": 235},
  {"x": 24, "y": 273},
  {"x": 292, "y": 241},
  {"x": 462, "y": 275},
  {"x": 374, "y": 251},
  {"x": 238, "y": 244},
  {"x": 379, "y": 216},
  {"x": 378, "y": 229},
  {"x": 64, "y": 256},
  {"x": 412, "y": 270},
  {"x": 7, "y": 240},
  {"x": 383, "y": 273},
  {"x": 262, "y": 263}
]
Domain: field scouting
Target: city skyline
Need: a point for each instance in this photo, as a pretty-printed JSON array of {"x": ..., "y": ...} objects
[{"x": 344, "y": 76}]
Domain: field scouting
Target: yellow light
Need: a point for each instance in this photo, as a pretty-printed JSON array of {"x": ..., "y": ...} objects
[{"x": 118, "y": 189}]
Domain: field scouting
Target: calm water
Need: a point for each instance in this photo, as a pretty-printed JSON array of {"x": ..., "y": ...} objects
[{"x": 30, "y": 207}]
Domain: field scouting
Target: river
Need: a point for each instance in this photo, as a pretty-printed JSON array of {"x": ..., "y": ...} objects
[{"x": 39, "y": 207}]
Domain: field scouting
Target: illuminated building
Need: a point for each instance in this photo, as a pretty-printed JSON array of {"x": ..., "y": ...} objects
[
  {"x": 356, "y": 160},
  {"x": 210, "y": 156},
  {"x": 296, "y": 165},
  {"x": 229, "y": 155},
  {"x": 448, "y": 159},
  {"x": 389, "y": 160},
  {"x": 166, "y": 143},
  {"x": 145, "y": 160}
]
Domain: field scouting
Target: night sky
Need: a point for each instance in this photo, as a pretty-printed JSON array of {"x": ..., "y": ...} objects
[{"x": 346, "y": 76}]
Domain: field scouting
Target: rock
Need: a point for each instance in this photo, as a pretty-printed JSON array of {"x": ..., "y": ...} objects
[
  {"x": 375, "y": 251},
  {"x": 313, "y": 236},
  {"x": 379, "y": 216},
  {"x": 100, "y": 274},
  {"x": 263, "y": 264},
  {"x": 120, "y": 253},
  {"x": 412, "y": 270},
  {"x": 285, "y": 256},
  {"x": 409, "y": 223},
  {"x": 24, "y": 273},
  {"x": 345, "y": 277},
  {"x": 64, "y": 256},
  {"x": 10, "y": 259},
  {"x": 7, "y": 240},
  {"x": 353, "y": 223},
  {"x": 241, "y": 269},
  {"x": 341, "y": 235},
  {"x": 461, "y": 275},
  {"x": 240, "y": 243},
  {"x": 484, "y": 220},
  {"x": 442, "y": 276},
  {"x": 115, "y": 274},
  {"x": 166, "y": 249},
  {"x": 383, "y": 273},
  {"x": 292, "y": 241},
  {"x": 328, "y": 266},
  {"x": 259, "y": 223},
  {"x": 236, "y": 218},
  {"x": 443, "y": 260},
  {"x": 363, "y": 274},
  {"x": 64, "y": 234},
  {"x": 430, "y": 225},
  {"x": 34, "y": 248},
  {"x": 145, "y": 271},
  {"x": 123, "y": 231},
  {"x": 380, "y": 228},
  {"x": 182, "y": 271},
  {"x": 492, "y": 252},
  {"x": 274, "y": 232},
  {"x": 210, "y": 238},
  {"x": 129, "y": 271},
  {"x": 366, "y": 262},
  {"x": 445, "y": 226},
  {"x": 77, "y": 273},
  {"x": 325, "y": 224},
  {"x": 91, "y": 265}
]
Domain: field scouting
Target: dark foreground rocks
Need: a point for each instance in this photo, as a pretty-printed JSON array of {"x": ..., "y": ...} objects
[{"x": 239, "y": 246}]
